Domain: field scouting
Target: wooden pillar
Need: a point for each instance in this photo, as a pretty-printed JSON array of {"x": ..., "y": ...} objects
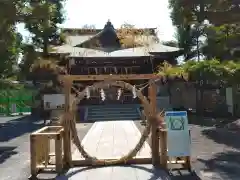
[
  {"x": 33, "y": 152},
  {"x": 163, "y": 145},
  {"x": 154, "y": 135},
  {"x": 67, "y": 133}
]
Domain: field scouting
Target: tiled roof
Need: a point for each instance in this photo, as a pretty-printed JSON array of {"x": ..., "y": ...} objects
[
  {"x": 130, "y": 52},
  {"x": 160, "y": 48},
  {"x": 75, "y": 40},
  {"x": 77, "y": 52}
]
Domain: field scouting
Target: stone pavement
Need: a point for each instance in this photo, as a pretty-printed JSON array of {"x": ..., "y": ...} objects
[
  {"x": 215, "y": 153},
  {"x": 113, "y": 139}
]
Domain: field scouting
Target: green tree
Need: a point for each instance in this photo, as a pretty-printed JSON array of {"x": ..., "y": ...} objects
[
  {"x": 41, "y": 20},
  {"x": 221, "y": 37},
  {"x": 182, "y": 17},
  {"x": 10, "y": 40},
  {"x": 30, "y": 56},
  {"x": 222, "y": 42}
]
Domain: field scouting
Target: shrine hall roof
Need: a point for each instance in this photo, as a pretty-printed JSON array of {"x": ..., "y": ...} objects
[
  {"x": 129, "y": 52},
  {"x": 79, "y": 43}
]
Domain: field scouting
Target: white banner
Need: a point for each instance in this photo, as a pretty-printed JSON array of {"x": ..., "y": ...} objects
[{"x": 178, "y": 138}]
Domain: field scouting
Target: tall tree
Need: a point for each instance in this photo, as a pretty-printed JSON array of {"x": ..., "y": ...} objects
[
  {"x": 29, "y": 57},
  {"x": 10, "y": 40},
  {"x": 181, "y": 18},
  {"x": 187, "y": 14},
  {"x": 42, "y": 19}
]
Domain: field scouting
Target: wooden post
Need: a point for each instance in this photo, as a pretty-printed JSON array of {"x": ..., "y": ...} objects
[
  {"x": 33, "y": 155},
  {"x": 58, "y": 153},
  {"x": 46, "y": 149},
  {"x": 154, "y": 135},
  {"x": 163, "y": 145},
  {"x": 67, "y": 135},
  {"x": 187, "y": 159}
]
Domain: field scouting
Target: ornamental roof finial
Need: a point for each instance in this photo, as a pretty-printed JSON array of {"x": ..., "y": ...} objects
[{"x": 108, "y": 24}]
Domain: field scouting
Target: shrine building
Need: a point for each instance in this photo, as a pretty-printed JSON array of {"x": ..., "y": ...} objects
[{"x": 113, "y": 51}]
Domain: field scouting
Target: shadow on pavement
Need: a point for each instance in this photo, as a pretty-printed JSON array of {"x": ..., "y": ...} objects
[
  {"x": 223, "y": 136},
  {"x": 210, "y": 121},
  {"x": 13, "y": 128},
  {"x": 183, "y": 175},
  {"x": 151, "y": 173},
  {"x": 6, "y": 152},
  {"x": 227, "y": 164}
]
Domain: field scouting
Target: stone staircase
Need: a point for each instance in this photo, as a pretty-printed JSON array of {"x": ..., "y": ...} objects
[{"x": 113, "y": 112}]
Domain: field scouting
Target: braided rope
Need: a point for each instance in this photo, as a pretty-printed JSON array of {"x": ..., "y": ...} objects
[
  {"x": 72, "y": 124},
  {"x": 141, "y": 141}
]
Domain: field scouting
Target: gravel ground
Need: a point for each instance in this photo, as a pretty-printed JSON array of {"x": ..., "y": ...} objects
[
  {"x": 14, "y": 145},
  {"x": 215, "y": 153}
]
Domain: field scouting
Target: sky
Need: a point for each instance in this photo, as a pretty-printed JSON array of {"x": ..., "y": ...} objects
[{"x": 141, "y": 13}]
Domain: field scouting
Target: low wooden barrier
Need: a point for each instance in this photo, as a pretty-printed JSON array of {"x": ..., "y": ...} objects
[{"x": 40, "y": 149}]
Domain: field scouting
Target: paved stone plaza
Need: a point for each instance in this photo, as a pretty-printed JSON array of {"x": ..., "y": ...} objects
[{"x": 113, "y": 139}]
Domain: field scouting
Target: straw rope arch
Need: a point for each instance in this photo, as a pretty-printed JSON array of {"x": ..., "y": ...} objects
[{"x": 145, "y": 134}]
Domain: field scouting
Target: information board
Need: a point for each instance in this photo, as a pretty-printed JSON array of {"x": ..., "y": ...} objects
[
  {"x": 53, "y": 101},
  {"x": 178, "y": 138}
]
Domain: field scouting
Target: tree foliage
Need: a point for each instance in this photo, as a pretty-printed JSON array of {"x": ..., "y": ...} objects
[
  {"x": 227, "y": 72},
  {"x": 42, "y": 18},
  {"x": 222, "y": 42},
  {"x": 30, "y": 56},
  {"x": 131, "y": 37},
  {"x": 221, "y": 35},
  {"x": 10, "y": 40}
]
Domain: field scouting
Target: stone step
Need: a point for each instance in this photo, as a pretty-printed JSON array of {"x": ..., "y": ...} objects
[
  {"x": 119, "y": 111},
  {"x": 112, "y": 115},
  {"x": 114, "y": 118},
  {"x": 113, "y": 112},
  {"x": 112, "y": 109}
]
